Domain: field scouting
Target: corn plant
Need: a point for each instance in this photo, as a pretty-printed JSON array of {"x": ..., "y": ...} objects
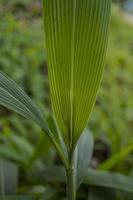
[{"x": 76, "y": 34}]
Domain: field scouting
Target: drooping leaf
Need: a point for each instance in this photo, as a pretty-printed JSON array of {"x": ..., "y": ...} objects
[
  {"x": 14, "y": 98},
  {"x": 76, "y": 40},
  {"x": 120, "y": 156},
  {"x": 84, "y": 154}
]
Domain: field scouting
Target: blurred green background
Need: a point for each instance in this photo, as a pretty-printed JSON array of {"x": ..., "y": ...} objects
[{"x": 23, "y": 58}]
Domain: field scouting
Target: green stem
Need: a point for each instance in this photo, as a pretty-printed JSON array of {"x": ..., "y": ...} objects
[
  {"x": 71, "y": 176},
  {"x": 71, "y": 192}
]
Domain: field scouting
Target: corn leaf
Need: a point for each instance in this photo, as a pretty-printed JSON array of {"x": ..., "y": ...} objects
[{"x": 76, "y": 39}]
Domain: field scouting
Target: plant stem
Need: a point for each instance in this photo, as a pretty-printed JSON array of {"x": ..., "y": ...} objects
[
  {"x": 71, "y": 192},
  {"x": 71, "y": 176}
]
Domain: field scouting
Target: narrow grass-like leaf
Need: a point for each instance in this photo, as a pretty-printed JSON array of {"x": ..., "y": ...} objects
[
  {"x": 117, "y": 158},
  {"x": 76, "y": 40},
  {"x": 84, "y": 155},
  {"x": 14, "y": 98},
  {"x": 109, "y": 179},
  {"x": 54, "y": 129},
  {"x": 16, "y": 148},
  {"x": 8, "y": 152},
  {"x": 8, "y": 178}
]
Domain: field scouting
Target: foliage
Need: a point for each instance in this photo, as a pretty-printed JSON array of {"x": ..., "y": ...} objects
[
  {"x": 112, "y": 119},
  {"x": 111, "y": 122},
  {"x": 23, "y": 58}
]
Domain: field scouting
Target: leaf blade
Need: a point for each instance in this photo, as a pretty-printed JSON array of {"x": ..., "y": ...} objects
[
  {"x": 14, "y": 98},
  {"x": 93, "y": 178},
  {"x": 109, "y": 179},
  {"x": 8, "y": 175},
  {"x": 84, "y": 154},
  {"x": 76, "y": 39},
  {"x": 117, "y": 158}
]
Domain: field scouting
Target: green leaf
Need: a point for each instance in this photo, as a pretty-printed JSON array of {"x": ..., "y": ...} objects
[
  {"x": 76, "y": 39},
  {"x": 108, "y": 179},
  {"x": 21, "y": 145},
  {"x": 14, "y": 98},
  {"x": 39, "y": 150},
  {"x": 84, "y": 154},
  {"x": 9, "y": 152},
  {"x": 8, "y": 178},
  {"x": 93, "y": 178},
  {"x": 16, "y": 148},
  {"x": 111, "y": 162},
  {"x": 54, "y": 129}
]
